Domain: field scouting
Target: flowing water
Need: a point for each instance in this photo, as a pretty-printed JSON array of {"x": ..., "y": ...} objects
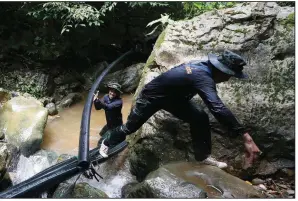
[{"x": 62, "y": 137}]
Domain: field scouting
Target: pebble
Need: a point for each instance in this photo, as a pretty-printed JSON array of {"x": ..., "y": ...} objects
[
  {"x": 262, "y": 187},
  {"x": 290, "y": 192},
  {"x": 269, "y": 195},
  {"x": 272, "y": 192},
  {"x": 257, "y": 181},
  {"x": 282, "y": 186}
]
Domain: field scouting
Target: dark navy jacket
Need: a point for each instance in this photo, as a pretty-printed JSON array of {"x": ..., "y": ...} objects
[
  {"x": 112, "y": 110},
  {"x": 181, "y": 84}
]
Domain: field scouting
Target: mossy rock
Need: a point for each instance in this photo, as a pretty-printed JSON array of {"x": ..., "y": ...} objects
[{"x": 80, "y": 190}]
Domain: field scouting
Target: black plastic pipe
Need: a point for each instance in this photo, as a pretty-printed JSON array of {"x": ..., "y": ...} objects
[
  {"x": 83, "y": 156},
  {"x": 56, "y": 174},
  {"x": 42, "y": 184}
]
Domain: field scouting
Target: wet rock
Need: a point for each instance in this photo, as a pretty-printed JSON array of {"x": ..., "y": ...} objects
[
  {"x": 262, "y": 187},
  {"x": 127, "y": 188},
  {"x": 192, "y": 180},
  {"x": 158, "y": 149},
  {"x": 257, "y": 181},
  {"x": 47, "y": 100},
  {"x": 269, "y": 168},
  {"x": 70, "y": 99},
  {"x": 79, "y": 190},
  {"x": 291, "y": 192},
  {"x": 52, "y": 110},
  {"x": 129, "y": 78},
  {"x": 29, "y": 118}
]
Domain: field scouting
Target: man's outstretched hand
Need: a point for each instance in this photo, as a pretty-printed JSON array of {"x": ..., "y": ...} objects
[{"x": 251, "y": 151}]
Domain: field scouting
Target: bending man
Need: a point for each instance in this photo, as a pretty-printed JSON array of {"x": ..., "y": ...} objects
[{"x": 172, "y": 91}]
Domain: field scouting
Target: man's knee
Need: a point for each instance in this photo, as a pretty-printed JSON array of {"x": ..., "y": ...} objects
[{"x": 114, "y": 136}]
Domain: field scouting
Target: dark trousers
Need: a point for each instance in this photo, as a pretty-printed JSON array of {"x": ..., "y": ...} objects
[
  {"x": 184, "y": 110},
  {"x": 103, "y": 130}
]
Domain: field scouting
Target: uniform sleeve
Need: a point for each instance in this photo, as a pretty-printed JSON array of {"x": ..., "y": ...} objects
[
  {"x": 98, "y": 103},
  {"x": 206, "y": 89},
  {"x": 115, "y": 104}
]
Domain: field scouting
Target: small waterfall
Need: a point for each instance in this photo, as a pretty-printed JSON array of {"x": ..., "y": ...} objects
[{"x": 27, "y": 167}]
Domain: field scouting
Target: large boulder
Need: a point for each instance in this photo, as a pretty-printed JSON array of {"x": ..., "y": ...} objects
[
  {"x": 192, "y": 180},
  {"x": 129, "y": 78},
  {"x": 70, "y": 99},
  {"x": 22, "y": 122},
  {"x": 263, "y": 33}
]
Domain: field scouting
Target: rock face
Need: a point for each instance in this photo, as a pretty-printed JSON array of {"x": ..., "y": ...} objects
[
  {"x": 5, "y": 180},
  {"x": 129, "y": 78},
  {"x": 192, "y": 180},
  {"x": 36, "y": 82},
  {"x": 263, "y": 33},
  {"x": 70, "y": 99},
  {"x": 22, "y": 122}
]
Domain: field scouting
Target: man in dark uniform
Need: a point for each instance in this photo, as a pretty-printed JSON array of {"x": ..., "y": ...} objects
[
  {"x": 112, "y": 104},
  {"x": 172, "y": 91}
]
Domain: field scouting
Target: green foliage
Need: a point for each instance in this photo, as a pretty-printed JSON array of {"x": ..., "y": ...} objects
[
  {"x": 186, "y": 11},
  {"x": 78, "y": 14},
  {"x": 192, "y": 9},
  {"x": 152, "y": 4},
  {"x": 164, "y": 21},
  {"x": 289, "y": 21},
  {"x": 72, "y": 14},
  {"x": 286, "y": 3},
  {"x": 83, "y": 14}
]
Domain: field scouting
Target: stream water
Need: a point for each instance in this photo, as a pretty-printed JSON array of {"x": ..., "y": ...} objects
[
  {"x": 62, "y": 137},
  {"x": 63, "y": 130}
]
